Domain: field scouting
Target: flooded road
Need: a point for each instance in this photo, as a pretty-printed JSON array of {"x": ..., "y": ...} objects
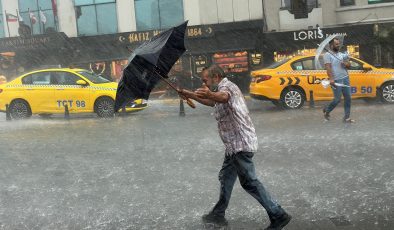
[{"x": 156, "y": 170}]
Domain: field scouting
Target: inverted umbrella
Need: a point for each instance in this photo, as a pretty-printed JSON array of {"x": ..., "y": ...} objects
[
  {"x": 324, "y": 47},
  {"x": 325, "y": 83},
  {"x": 149, "y": 63}
]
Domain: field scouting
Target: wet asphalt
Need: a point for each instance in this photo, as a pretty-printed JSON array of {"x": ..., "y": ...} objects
[{"x": 155, "y": 169}]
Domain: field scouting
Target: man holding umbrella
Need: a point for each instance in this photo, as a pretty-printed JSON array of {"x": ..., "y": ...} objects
[
  {"x": 336, "y": 64},
  {"x": 238, "y": 135}
]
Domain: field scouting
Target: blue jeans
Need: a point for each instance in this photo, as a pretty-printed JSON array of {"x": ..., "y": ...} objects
[
  {"x": 241, "y": 164},
  {"x": 338, "y": 91}
]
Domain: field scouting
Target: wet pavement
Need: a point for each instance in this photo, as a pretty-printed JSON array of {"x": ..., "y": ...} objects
[{"x": 156, "y": 170}]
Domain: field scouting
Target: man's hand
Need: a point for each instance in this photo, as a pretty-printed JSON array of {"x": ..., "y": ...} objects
[
  {"x": 346, "y": 64},
  {"x": 332, "y": 82},
  {"x": 181, "y": 93},
  {"x": 203, "y": 92}
]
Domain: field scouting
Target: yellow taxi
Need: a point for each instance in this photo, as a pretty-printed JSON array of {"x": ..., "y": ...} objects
[
  {"x": 50, "y": 91},
  {"x": 291, "y": 82}
]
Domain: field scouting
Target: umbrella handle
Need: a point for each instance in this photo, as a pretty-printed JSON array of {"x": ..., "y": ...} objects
[{"x": 190, "y": 103}]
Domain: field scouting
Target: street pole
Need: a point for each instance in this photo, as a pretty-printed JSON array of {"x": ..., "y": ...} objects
[{"x": 8, "y": 26}]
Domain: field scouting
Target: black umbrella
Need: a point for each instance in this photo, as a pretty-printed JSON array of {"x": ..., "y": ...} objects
[{"x": 149, "y": 63}]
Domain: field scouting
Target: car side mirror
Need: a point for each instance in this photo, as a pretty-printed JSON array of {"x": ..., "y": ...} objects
[
  {"x": 367, "y": 68},
  {"x": 82, "y": 83}
]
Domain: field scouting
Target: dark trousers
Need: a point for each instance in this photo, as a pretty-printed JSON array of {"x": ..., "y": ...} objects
[{"x": 241, "y": 165}]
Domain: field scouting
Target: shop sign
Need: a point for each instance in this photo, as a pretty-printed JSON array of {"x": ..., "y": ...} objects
[
  {"x": 200, "y": 62},
  {"x": 304, "y": 35},
  {"x": 191, "y": 32},
  {"x": 33, "y": 42}
]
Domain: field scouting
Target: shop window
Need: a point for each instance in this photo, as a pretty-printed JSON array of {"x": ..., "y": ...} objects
[
  {"x": 158, "y": 14},
  {"x": 353, "y": 51},
  {"x": 39, "y": 16},
  {"x": 200, "y": 62},
  {"x": 379, "y": 1},
  {"x": 117, "y": 69},
  {"x": 286, "y": 4},
  {"x": 255, "y": 59},
  {"x": 96, "y": 17},
  {"x": 347, "y": 2},
  {"x": 232, "y": 62}
]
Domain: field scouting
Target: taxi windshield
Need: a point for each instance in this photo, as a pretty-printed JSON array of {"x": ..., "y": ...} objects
[
  {"x": 277, "y": 64},
  {"x": 94, "y": 78}
]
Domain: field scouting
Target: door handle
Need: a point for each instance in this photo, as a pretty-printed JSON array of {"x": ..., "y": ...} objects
[
  {"x": 305, "y": 74},
  {"x": 29, "y": 89},
  {"x": 59, "y": 89}
]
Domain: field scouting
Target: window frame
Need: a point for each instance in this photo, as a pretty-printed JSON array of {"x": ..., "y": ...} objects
[
  {"x": 160, "y": 21},
  {"x": 302, "y": 64},
  {"x": 24, "y": 13},
  {"x": 30, "y": 77},
  {"x": 94, "y": 5},
  {"x": 379, "y": 2},
  {"x": 344, "y": 3},
  {"x": 64, "y": 73}
]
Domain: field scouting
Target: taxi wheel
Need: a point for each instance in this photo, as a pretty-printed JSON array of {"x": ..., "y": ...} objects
[
  {"x": 292, "y": 98},
  {"x": 20, "y": 109},
  {"x": 104, "y": 107},
  {"x": 387, "y": 92}
]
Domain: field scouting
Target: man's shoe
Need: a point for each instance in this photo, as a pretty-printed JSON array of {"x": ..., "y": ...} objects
[
  {"x": 212, "y": 218},
  {"x": 279, "y": 223},
  {"x": 348, "y": 120},
  {"x": 326, "y": 115}
]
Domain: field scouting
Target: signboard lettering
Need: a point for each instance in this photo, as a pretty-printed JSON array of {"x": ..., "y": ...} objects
[
  {"x": 191, "y": 32},
  {"x": 311, "y": 35}
]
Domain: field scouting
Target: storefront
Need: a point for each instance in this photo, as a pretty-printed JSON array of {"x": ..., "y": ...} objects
[
  {"x": 21, "y": 54},
  {"x": 230, "y": 45},
  {"x": 359, "y": 41}
]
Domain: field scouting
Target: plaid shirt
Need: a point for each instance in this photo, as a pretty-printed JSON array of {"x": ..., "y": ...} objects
[{"x": 235, "y": 126}]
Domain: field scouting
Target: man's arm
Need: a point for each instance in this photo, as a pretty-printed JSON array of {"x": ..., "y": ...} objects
[
  {"x": 346, "y": 64},
  {"x": 346, "y": 61},
  {"x": 193, "y": 95},
  {"x": 329, "y": 73},
  {"x": 206, "y": 93}
]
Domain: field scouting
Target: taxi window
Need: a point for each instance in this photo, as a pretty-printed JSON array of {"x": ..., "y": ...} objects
[
  {"x": 96, "y": 79},
  {"x": 64, "y": 78},
  {"x": 305, "y": 64},
  {"x": 277, "y": 64},
  {"x": 355, "y": 65},
  {"x": 43, "y": 78}
]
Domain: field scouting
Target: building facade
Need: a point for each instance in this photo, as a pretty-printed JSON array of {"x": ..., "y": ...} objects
[{"x": 239, "y": 35}]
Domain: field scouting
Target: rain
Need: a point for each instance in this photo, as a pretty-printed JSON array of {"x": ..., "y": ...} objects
[{"x": 96, "y": 134}]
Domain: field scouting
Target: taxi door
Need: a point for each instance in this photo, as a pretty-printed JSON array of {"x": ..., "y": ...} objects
[
  {"x": 310, "y": 78},
  {"x": 362, "y": 83},
  {"x": 68, "y": 92},
  {"x": 39, "y": 92}
]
